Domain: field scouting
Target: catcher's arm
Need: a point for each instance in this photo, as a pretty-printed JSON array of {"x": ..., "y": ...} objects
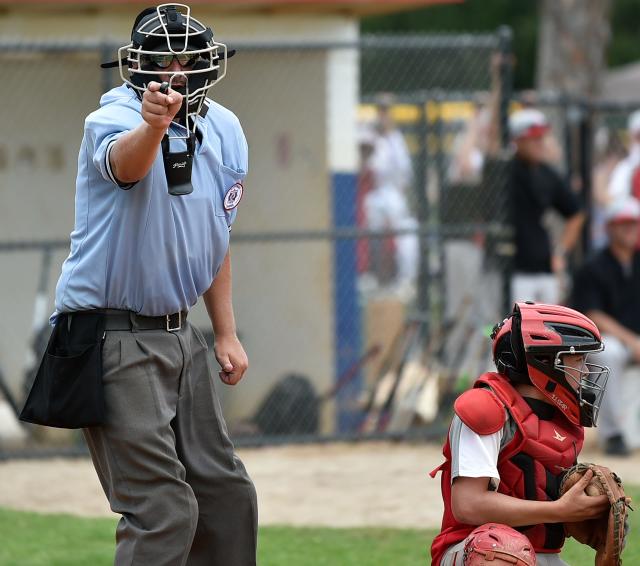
[{"x": 474, "y": 504}]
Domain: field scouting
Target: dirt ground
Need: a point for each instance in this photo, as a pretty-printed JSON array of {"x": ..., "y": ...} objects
[{"x": 336, "y": 485}]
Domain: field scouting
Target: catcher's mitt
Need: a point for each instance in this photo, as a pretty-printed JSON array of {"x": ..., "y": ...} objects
[{"x": 606, "y": 534}]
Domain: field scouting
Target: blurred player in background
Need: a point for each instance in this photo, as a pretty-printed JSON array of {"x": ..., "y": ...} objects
[
  {"x": 366, "y": 147},
  {"x": 514, "y": 433},
  {"x": 159, "y": 179},
  {"x": 535, "y": 188},
  {"x": 607, "y": 289},
  {"x": 609, "y": 152},
  {"x": 386, "y": 205},
  {"x": 625, "y": 179}
]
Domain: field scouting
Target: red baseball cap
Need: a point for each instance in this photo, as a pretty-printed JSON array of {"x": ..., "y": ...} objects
[
  {"x": 625, "y": 209},
  {"x": 528, "y": 123}
]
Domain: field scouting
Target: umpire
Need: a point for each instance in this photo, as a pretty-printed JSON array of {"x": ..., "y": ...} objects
[{"x": 160, "y": 175}]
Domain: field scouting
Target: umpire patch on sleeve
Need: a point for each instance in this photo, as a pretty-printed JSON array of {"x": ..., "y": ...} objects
[{"x": 233, "y": 196}]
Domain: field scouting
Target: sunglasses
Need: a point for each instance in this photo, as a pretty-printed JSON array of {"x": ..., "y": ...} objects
[{"x": 163, "y": 61}]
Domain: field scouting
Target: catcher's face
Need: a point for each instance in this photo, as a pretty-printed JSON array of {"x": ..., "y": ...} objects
[
  {"x": 575, "y": 368},
  {"x": 587, "y": 379}
]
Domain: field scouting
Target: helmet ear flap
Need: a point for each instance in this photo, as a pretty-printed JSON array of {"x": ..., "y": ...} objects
[
  {"x": 505, "y": 360},
  {"x": 510, "y": 356}
]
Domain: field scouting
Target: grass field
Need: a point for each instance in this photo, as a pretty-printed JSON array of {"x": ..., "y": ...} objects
[{"x": 30, "y": 539}]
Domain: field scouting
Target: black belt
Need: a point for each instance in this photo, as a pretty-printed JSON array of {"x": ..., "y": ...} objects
[{"x": 129, "y": 320}]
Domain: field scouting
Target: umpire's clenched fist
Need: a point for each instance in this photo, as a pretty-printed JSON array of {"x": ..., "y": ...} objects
[{"x": 158, "y": 109}]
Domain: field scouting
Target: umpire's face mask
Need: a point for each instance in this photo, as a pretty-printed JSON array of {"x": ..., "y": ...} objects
[{"x": 165, "y": 36}]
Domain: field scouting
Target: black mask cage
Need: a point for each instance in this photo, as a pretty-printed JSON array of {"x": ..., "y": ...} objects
[{"x": 170, "y": 30}]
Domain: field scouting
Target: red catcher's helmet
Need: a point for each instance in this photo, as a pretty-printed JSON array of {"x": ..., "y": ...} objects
[{"x": 528, "y": 348}]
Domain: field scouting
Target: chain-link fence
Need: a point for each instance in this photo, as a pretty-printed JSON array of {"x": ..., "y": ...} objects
[{"x": 362, "y": 297}]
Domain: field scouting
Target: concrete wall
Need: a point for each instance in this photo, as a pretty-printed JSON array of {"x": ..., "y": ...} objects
[{"x": 298, "y": 112}]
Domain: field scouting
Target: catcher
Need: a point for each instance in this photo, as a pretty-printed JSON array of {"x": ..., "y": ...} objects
[{"x": 513, "y": 437}]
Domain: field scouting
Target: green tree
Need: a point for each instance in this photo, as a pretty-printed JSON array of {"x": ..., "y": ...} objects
[
  {"x": 481, "y": 16},
  {"x": 572, "y": 51},
  {"x": 624, "y": 46},
  {"x": 522, "y": 16}
]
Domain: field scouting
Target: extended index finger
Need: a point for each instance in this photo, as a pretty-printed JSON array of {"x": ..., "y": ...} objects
[{"x": 156, "y": 96}]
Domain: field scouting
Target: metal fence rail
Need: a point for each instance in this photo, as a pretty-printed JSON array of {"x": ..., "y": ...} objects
[{"x": 402, "y": 351}]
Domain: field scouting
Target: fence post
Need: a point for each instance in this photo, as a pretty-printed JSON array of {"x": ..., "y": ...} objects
[
  {"x": 439, "y": 239},
  {"x": 422, "y": 209},
  {"x": 586, "y": 171},
  {"x": 505, "y": 48},
  {"x": 571, "y": 115},
  {"x": 106, "y": 52}
]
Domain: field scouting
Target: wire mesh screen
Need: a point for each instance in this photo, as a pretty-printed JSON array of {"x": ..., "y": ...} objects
[{"x": 354, "y": 290}]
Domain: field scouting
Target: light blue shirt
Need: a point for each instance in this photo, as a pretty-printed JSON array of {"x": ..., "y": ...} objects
[{"x": 140, "y": 248}]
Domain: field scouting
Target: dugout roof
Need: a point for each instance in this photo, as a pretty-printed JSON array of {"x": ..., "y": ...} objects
[{"x": 346, "y": 7}]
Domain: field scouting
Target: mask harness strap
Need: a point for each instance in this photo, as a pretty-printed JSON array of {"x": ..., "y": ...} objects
[{"x": 178, "y": 165}]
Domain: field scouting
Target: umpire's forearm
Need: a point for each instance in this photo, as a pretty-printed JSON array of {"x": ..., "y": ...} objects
[
  {"x": 134, "y": 153},
  {"x": 218, "y": 301}
]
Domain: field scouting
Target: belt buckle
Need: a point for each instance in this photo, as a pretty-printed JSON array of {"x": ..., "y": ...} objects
[{"x": 171, "y": 328}]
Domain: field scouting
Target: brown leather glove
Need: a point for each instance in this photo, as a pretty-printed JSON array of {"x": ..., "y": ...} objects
[{"x": 606, "y": 534}]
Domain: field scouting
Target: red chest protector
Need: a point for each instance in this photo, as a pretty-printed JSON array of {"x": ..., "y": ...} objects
[{"x": 530, "y": 464}]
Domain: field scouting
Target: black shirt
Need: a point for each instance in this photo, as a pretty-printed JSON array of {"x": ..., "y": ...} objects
[
  {"x": 534, "y": 189},
  {"x": 603, "y": 284}
]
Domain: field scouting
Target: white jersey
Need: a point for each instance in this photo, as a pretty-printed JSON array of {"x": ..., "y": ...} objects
[
  {"x": 391, "y": 162},
  {"x": 474, "y": 455},
  {"x": 620, "y": 184}
]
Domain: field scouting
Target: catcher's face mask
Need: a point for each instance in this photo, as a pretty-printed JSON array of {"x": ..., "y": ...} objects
[{"x": 589, "y": 380}]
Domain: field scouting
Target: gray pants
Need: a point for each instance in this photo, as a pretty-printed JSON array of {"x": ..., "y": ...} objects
[
  {"x": 454, "y": 557},
  {"x": 539, "y": 287},
  {"x": 164, "y": 457}
]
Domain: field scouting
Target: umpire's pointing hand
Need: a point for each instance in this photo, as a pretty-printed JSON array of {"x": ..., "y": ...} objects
[{"x": 158, "y": 109}]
